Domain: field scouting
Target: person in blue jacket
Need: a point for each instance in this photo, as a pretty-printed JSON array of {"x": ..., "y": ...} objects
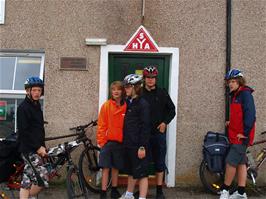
[{"x": 241, "y": 130}]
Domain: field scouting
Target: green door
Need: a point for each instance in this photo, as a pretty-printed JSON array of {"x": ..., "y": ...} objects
[{"x": 121, "y": 65}]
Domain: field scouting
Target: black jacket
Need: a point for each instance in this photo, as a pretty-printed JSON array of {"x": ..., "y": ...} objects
[
  {"x": 30, "y": 122},
  {"x": 161, "y": 105},
  {"x": 137, "y": 124}
]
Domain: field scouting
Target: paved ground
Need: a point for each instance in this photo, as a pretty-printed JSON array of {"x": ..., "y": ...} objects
[{"x": 56, "y": 192}]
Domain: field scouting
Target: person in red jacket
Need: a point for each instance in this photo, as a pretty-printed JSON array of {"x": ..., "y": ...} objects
[
  {"x": 241, "y": 129},
  {"x": 110, "y": 137}
]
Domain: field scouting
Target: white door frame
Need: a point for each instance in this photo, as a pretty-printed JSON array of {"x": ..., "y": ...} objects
[{"x": 173, "y": 92}]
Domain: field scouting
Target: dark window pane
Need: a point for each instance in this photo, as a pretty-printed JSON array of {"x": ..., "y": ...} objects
[
  {"x": 7, "y": 65},
  {"x": 26, "y": 67},
  {"x": 7, "y": 123}
]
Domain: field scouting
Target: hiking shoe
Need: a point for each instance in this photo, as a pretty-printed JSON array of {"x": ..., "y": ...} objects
[
  {"x": 237, "y": 195},
  {"x": 136, "y": 194},
  {"x": 115, "y": 194},
  {"x": 124, "y": 196},
  {"x": 224, "y": 194},
  {"x": 160, "y": 195},
  {"x": 103, "y": 195}
]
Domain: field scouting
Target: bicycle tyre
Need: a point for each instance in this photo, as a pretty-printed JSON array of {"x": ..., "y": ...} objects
[
  {"x": 211, "y": 181},
  {"x": 90, "y": 172},
  {"x": 75, "y": 186}
]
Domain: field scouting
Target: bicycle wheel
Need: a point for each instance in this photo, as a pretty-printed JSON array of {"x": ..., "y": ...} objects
[
  {"x": 211, "y": 181},
  {"x": 75, "y": 186},
  {"x": 90, "y": 172}
]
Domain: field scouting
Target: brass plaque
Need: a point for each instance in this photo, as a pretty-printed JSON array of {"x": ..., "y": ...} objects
[{"x": 73, "y": 63}]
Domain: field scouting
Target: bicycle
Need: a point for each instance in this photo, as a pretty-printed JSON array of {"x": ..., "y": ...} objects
[
  {"x": 90, "y": 171},
  {"x": 57, "y": 157},
  {"x": 213, "y": 181}
]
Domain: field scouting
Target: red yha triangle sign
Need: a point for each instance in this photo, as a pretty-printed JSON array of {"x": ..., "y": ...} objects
[{"x": 141, "y": 41}]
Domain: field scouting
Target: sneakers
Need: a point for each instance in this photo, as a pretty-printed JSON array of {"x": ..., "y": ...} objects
[
  {"x": 224, "y": 194},
  {"x": 160, "y": 195},
  {"x": 124, "y": 196},
  {"x": 115, "y": 194},
  {"x": 236, "y": 195}
]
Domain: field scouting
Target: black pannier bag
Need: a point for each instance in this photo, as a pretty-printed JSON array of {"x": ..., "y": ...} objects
[
  {"x": 215, "y": 149},
  {"x": 8, "y": 156}
]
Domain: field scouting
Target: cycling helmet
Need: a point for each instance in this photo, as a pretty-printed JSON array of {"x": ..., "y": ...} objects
[
  {"x": 233, "y": 73},
  {"x": 132, "y": 79},
  {"x": 32, "y": 82},
  {"x": 150, "y": 71}
]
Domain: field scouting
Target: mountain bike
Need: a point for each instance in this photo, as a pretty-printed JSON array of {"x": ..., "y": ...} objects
[
  {"x": 213, "y": 181},
  {"x": 57, "y": 157},
  {"x": 90, "y": 171}
]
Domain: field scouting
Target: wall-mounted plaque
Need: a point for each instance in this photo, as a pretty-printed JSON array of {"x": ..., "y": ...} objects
[{"x": 73, "y": 63}]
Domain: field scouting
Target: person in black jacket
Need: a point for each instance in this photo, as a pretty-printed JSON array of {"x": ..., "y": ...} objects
[
  {"x": 31, "y": 137},
  {"x": 162, "y": 112},
  {"x": 137, "y": 128}
]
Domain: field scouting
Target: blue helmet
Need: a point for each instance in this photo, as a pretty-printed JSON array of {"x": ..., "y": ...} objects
[
  {"x": 33, "y": 82},
  {"x": 233, "y": 73}
]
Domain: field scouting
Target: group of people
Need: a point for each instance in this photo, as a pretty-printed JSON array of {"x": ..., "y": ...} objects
[{"x": 132, "y": 125}]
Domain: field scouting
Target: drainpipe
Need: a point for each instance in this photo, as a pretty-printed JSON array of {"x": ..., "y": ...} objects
[{"x": 228, "y": 56}]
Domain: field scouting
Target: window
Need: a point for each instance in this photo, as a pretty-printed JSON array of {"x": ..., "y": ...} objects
[
  {"x": 15, "y": 67},
  {"x": 2, "y": 11}
]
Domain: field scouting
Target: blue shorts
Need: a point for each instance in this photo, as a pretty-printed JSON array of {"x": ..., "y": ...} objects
[
  {"x": 158, "y": 149},
  {"x": 137, "y": 168},
  {"x": 111, "y": 155}
]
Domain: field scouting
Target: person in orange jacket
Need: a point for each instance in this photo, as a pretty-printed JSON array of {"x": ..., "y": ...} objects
[{"x": 110, "y": 137}]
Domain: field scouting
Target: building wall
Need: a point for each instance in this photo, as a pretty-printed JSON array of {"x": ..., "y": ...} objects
[{"x": 197, "y": 28}]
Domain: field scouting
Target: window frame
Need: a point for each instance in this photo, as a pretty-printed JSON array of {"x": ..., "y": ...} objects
[
  {"x": 2, "y": 11},
  {"x": 22, "y": 53}
]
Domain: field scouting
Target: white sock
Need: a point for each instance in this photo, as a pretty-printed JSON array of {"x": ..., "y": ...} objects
[
  {"x": 141, "y": 198},
  {"x": 129, "y": 194}
]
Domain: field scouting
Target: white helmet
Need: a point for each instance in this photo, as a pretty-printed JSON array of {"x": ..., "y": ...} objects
[{"x": 132, "y": 79}]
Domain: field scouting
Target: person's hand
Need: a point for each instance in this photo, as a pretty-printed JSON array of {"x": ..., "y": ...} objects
[
  {"x": 42, "y": 151},
  {"x": 227, "y": 123},
  {"x": 240, "y": 136},
  {"x": 141, "y": 153},
  {"x": 161, "y": 127}
]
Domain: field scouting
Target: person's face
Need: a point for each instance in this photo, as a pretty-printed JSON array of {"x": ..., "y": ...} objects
[
  {"x": 116, "y": 93},
  {"x": 35, "y": 92},
  {"x": 129, "y": 90},
  {"x": 233, "y": 84},
  {"x": 150, "y": 81}
]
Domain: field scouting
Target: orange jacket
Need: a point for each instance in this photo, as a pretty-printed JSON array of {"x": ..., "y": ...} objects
[{"x": 110, "y": 122}]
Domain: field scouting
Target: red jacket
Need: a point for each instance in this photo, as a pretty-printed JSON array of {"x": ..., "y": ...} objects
[
  {"x": 242, "y": 116},
  {"x": 110, "y": 122}
]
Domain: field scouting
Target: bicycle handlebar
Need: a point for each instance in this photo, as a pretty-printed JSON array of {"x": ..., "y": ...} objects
[{"x": 82, "y": 127}]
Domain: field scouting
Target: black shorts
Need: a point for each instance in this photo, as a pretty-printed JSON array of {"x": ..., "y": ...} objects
[
  {"x": 237, "y": 155},
  {"x": 138, "y": 168},
  {"x": 158, "y": 148},
  {"x": 111, "y": 155}
]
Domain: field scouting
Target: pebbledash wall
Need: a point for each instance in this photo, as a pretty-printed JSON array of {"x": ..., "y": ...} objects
[{"x": 196, "y": 27}]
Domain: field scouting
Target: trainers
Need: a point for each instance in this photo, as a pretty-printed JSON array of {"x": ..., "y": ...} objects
[
  {"x": 160, "y": 195},
  {"x": 224, "y": 194},
  {"x": 115, "y": 194},
  {"x": 124, "y": 196},
  {"x": 236, "y": 195}
]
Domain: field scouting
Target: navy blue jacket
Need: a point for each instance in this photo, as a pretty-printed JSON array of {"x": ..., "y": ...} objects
[
  {"x": 161, "y": 105},
  {"x": 31, "y": 135},
  {"x": 137, "y": 124}
]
